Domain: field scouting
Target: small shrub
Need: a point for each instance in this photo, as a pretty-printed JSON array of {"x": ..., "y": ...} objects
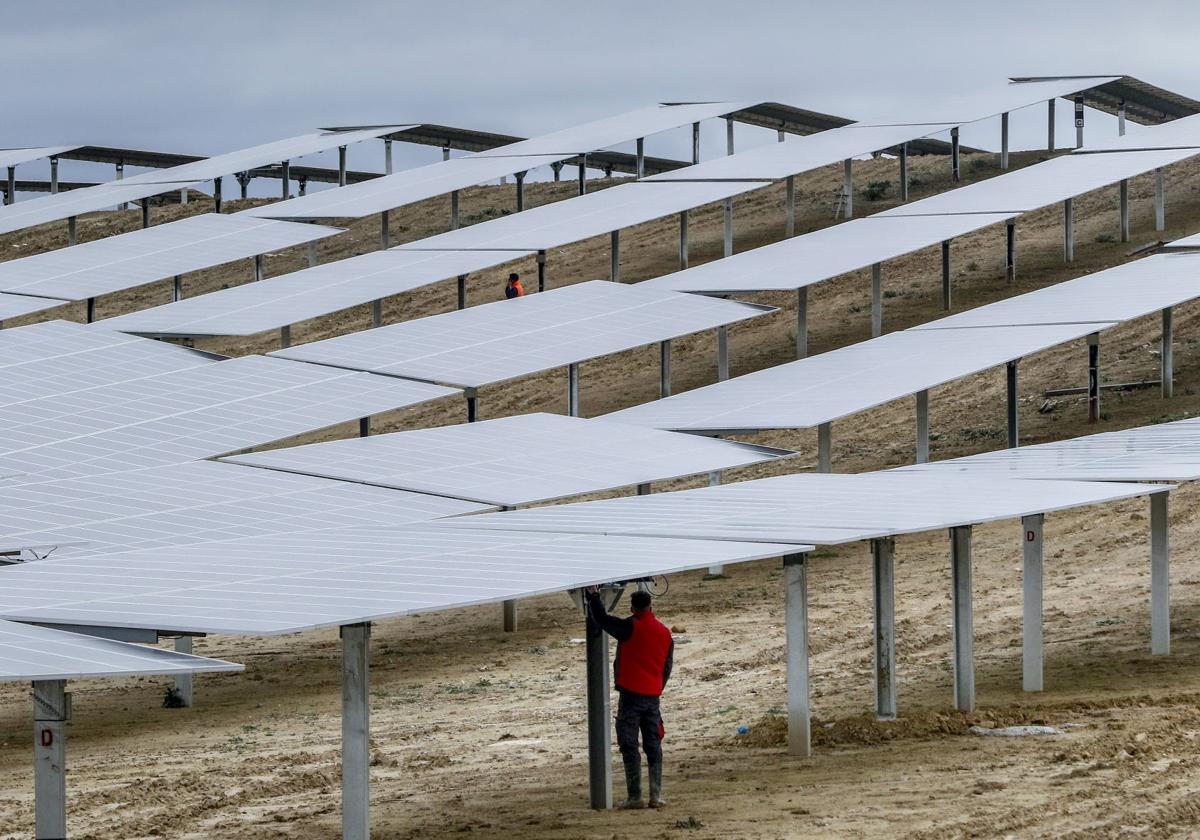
[
  {"x": 978, "y": 164},
  {"x": 972, "y": 266},
  {"x": 1105, "y": 237},
  {"x": 876, "y": 190},
  {"x": 172, "y": 699},
  {"x": 890, "y": 293}
]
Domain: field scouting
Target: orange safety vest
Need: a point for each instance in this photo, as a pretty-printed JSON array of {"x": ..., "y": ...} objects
[{"x": 514, "y": 290}]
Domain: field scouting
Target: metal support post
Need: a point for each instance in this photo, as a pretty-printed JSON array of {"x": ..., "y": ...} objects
[
  {"x": 1031, "y": 622},
  {"x": 904, "y": 172},
  {"x": 583, "y": 174},
  {"x": 183, "y": 682},
  {"x": 573, "y": 390},
  {"x": 302, "y": 185},
  {"x": 71, "y": 238},
  {"x": 387, "y": 157},
  {"x": 377, "y": 312},
  {"x": 91, "y": 310},
  {"x": 614, "y": 268},
  {"x": 728, "y": 214},
  {"x": 385, "y": 233},
  {"x": 258, "y": 267},
  {"x": 641, "y": 158},
  {"x": 643, "y": 489},
  {"x": 664, "y": 368},
  {"x": 243, "y": 179},
  {"x": 599, "y": 717},
  {"x": 217, "y": 195},
  {"x": 445, "y": 153},
  {"x": 795, "y": 583},
  {"x": 1069, "y": 230},
  {"x": 1124, "y": 209},
  {"x": 146, "y": 212},
  {"x": 472, "y": 405},
  {"x": 922, "y": 427},
  {"x": 556, "y": 168},
  {"x": 876, "y": 300},
  {"x": 1094, "y": 378},
  {"x": 462, "y": 291},
  {"x": 714, "y": 480},
  {"x": 1167, "y": 354},
  {"x": 510, "y": 616},
  {"x": 722, "y": 353},
  {"x": 947, "y": 297},
  {"x": 1004, "y": 140},
  {"x": 695, "y": 143},
  {"x": 520, "y": 181},
  {"x": 454, "y": 210},
  {"x": 312, "y": 254},
  {"x": 53, "y": 176},
  {"x": 1160, "y": 575},
  {"x": 683, "y": 240},
  {"x": 1010, "y": 251},
  {"x": 51, "y": 711},
  {"x": 1050, "y": 125},
  {"x": 285, "y": 337},
  {"x": 1160, "y": 200},
  {"x": 729, "y": 135},
  {"x": 1121, "y": 118},
  {"x": 1014, "y": 419},
  {"x": 177, "y": 289},
  {"x": 955, "y": 169},
  {"x": 541, "y": 270},
  {"x": 802, "y": 322},
  {"x": 285, "y": 178},
  {"x": 356, "y": 726},
  {"x": 882, "y": 554},
  {"x": 364, "y": 427},
  {"x": 964, "y": 625},
  {"x": 10, "y": 191},
  {"x": 121, "y": 177},
  {"x": 341, "y": 166},
  {"x": 1078, "y": 122},
  {"x": 789, "y": 211},
  {"x": 825, "y": 448},
  {"x": 848, "y": 188}
]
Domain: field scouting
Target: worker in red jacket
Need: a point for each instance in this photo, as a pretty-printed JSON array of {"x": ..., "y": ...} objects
[
  {"x": 514, "y": 289},
  {"x": 645, "y": 656}
]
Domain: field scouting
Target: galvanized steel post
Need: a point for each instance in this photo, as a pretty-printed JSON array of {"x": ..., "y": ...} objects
[
  {"x": 789, "y": 225},
  {"x": 955, "y": 172},
  {"x": 614, "y": 268},
  {"x": 573, "y": 390},
  {"x": 795, "y": 583},
  {"x": 1069, "y": 230},
  {"x": 341, "y": 166},
  {"x": 947, "y": 297},
  {"x": 1160, "y": 575},
  {"x": 462, "y": 291},
  {"x": 922, "y": 455},
  {"x": 387, "y": 157},
  {"x": 722, "y": 353},
  {"x": 1167, "y": 353},
  {"x": 183, "y": 682},
  {"x": 285, "y": 178},
  {"x": 54, "y": 176},
  {"x": 541, "y": 270},
  {"x": 356, "y": 726},
  {"x": 802, "y": 322},
  {"x": 664, "y": 368},
  {"x": 876, "y": 300},
  {"x": 1031, "y": 608},
  {"x": 964, "y": 625},
  {"x": 599, "y": 717},
  {"x": 1160, "y": 200},
  {"x": 1050, "y": 125},
  {"x": 1004, "y": 140},
  {"x": 1011, "y": 390},
  {"x": 882, "y": 556},
  {"x": 1124, "y": 189},
  {"x": 825, "y": 448},
  {"x": 904, "y": 172},
  {"x": 848, "y": 188},
  {"x": 641, "y": 158},
  {"x": 1010, "y": 251},
  {"x": 1093, "y": 377},
  {"x": 51, "y": 711},
  {"x": 519, "y": 177},
  {"x": 385, "y": 233},
  {"x": 683, "y": 240}
]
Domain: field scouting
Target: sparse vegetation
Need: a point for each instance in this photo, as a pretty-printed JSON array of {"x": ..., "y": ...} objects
[{"x": 877, "y": 190}]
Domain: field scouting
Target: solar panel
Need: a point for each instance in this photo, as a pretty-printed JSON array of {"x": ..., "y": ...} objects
[
  {"x": 40, "y": 653},
  {"x": 585, "y": 216},
  {"x": 1163, "y": 452},
  {"x": 197, "y": 502},
  {"x": 1177, "y": 134},
  {"x": 294, "y": 582},
  {"x": 1038, "y": 186},
  {"x": 185, "y": 415},
  {"x": 58, "y": 206},
  {"x": 828, "y": 252},
  {"x": 511, "y": 338},
  {"x": 779, "y": 160},
  {"x": 311, "y": 293},
  {"x": 154, "y": 253},
  {"x": 402, "y": 188},
  {"x": 15, "y": 157},
  {"x": 811, "y": 507},
  {"x": 988, "y": 101},
  {"x": 14, "y": 306},
  {"x": 820, "y": 389},
  {"x": 1121, "y": 293},
  {"x": 515, "y": 460}
]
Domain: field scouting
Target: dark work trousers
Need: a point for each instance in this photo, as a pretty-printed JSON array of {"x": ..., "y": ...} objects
[{"x": 639, "y": 713}]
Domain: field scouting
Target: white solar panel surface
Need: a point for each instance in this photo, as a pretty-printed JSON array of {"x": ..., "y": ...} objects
[
  {"x": 57, "y": 357},
  {"x": 1165, "y": 452},
  {"x": 58, "y": 206},
  {"x": 823, "y": 388},
  {"x": 15, "y": 157},
  {"x": 154, "y": 253},
  {"x": 506, "y": 339},
  {"x": 1177, "y": 134},
  {"x": 804, "y": 260},
  {"x": 289, "y": 583},
  {"x": 515, "y": 460},
  {"x": 811, "y": 507},
  {"x": 1121, "y": 293},
  {"x": 185, "y": 415},
  {"x": 987, "y": 101},
  {"x": 575, "y": 219},
  {"x": 291, "y": 298},
  {"x": 197, "y": 502},
  {"x": 40, "y": 653},
  {"x": 1044, "y": 184},
  {"x": 14, "y": 306},
  {"x": 774, "y": 161}
]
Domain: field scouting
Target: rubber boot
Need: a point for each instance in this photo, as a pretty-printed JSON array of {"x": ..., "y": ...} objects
[
  {"x": 656, "y": 800},
  {"x": 633, "y": 786}
]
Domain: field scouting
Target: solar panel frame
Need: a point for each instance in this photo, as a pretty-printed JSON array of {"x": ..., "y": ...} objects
[{"x": 15, "y": 157}]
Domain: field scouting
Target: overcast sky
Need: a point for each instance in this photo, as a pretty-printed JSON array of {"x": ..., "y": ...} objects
[{"x": 208, "y": 76}]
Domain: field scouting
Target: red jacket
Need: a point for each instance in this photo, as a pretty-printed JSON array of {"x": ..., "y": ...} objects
[{"x": 645, "y": 649}]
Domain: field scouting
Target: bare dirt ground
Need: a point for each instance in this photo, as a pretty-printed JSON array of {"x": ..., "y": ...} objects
[{"x": 479, "y": 733}]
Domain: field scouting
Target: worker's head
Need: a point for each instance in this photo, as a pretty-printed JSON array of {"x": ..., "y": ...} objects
[
  {"x": 640, "y": 601},
  {"x": 514, "y": 277}
]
